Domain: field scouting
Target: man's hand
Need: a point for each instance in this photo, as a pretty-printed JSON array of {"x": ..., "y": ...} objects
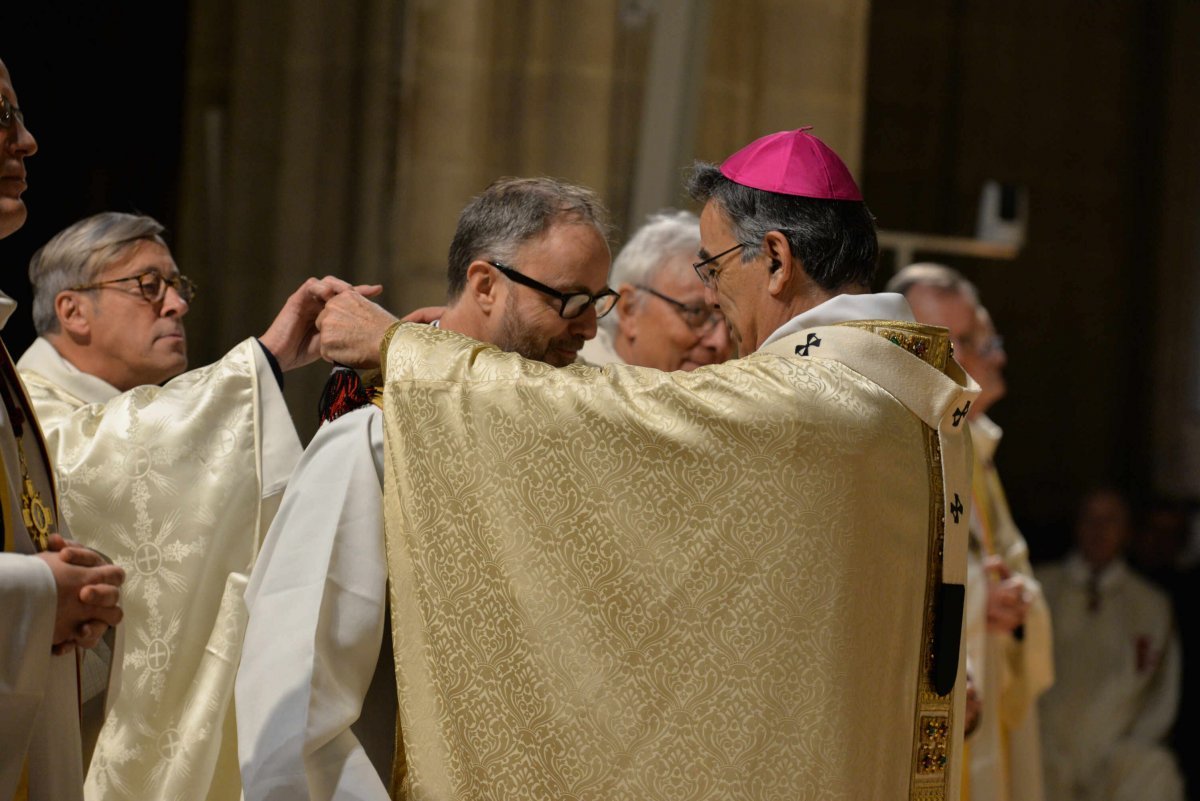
[
  {"x": 973, "y": 710},
  {"x": 293, "y": 338},
  {"x": 425, "y": 314},
  {"x": 1008, "y": 597},
  {"x": 351, "y": 329},
  {"x": 88, "y": 594}
]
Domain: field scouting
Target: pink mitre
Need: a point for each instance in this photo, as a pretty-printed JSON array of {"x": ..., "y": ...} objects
[{"x": 792, "y": 163}]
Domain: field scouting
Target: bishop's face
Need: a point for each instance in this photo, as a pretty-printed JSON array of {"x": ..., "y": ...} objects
[
  {"x": 738, "y": 288},
  {"x": 16, "y": 143}
]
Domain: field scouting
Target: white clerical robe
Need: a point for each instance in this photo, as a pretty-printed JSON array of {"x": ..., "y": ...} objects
[
  {"x": 1105, "y": 720},
  {"x": 322, "y": 571},
  {"x": 1010, "y": 672},
  {"x": 317, "y": 600},
  {"x": 39, "y": 697},
  {"x": 177, "y": 484}
]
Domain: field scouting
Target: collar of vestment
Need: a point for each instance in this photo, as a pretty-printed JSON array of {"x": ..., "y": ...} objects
[
  {"x": 1110, "y": 576},
  {"x": 7, "y": 307},
  {"x": 985, "y": 437},
  {"x": 43, "y": 359},
  {"x": 844, "y": 308}
]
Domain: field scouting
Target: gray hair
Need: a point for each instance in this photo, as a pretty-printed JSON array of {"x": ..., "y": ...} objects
[
  {"x": 511, "y": 212},
  {"x": 666, "y": 234},
  {"x": 933, "y": 275},
  {"x": 77, "y": 255}
]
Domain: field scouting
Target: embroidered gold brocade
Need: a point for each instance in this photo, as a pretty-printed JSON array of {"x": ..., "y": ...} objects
[{"x": 563, "y": 632}]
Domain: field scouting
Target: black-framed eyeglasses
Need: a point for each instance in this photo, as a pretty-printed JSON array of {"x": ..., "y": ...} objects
[
  {"x": 9, "y": 113},
  {"x": 572, "y": 304},
  {"x": 707, "y": 269},
  {"x": 700, "y": 319},
  {"x": 152, "y": 284}
]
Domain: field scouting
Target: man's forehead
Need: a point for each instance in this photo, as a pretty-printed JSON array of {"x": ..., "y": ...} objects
[
  {"x": 143, "y": 254},
  {"x": 714, "y": 227},
  {"x": 566, "y": 254}
]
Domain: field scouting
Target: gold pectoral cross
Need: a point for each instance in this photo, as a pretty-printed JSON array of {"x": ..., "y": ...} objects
[{"x": 39, "y": 518}]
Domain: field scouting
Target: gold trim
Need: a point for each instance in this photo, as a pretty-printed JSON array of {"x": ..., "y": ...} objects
[
  {"x": 384, "y": 344},
  {"x": 933, "y": 713},
  {"x": 928, "y": 343}
]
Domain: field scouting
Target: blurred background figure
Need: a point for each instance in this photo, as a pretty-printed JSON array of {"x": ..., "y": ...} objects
[
  {"x": 1159, "y": 550},
  {"x": 661, "y": 319},
  {"x": 1106, "y": 720},
  {"x": 1006, "y": 622}
]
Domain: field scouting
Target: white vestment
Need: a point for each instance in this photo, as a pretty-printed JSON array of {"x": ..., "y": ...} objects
[
  {"x": 1009, "y": 671},
  {"x": 1105, "y": 720},
  {"x": 176, "y": 484},
  {"x": 318, "y": 603},
  {"x": 39, "y": 695}
]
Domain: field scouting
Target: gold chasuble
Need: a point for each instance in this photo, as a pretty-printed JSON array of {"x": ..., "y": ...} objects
[
  {"x": 742, "y": 582},
  {"x": 176, "y": 484}
]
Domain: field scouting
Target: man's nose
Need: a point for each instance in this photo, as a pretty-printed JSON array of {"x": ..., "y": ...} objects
[
  {"x": 717, "y": 336},
  {"x": 173, "y": 304},
  {"x": 23, "y": 144},
  {"x": 585, "y": 324}
]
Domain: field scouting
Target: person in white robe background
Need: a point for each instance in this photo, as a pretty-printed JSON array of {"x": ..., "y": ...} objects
[
  {"x": 177, "y": 481},
  {"x": 662, "y": 319},
  {"x": 53, "y": 597},
  {"x": 304, "y": 729},
  {"x": 797, "y": 295},
  {"x": 1007, "y": 623},
  {"x": 1106, "y": 720}
]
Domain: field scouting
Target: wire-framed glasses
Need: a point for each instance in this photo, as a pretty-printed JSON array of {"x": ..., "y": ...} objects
[
  {"x": 700, "y": 319},
  {"x": 708, "y": 270},
  {"x": 9, "y": 113},
  {"x": 571, "y": 304}
]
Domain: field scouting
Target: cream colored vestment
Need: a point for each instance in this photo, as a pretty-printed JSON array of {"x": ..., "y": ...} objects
[
  {"x": 176, "y": 484},
  {"x": 624, "y": 583},
  {"x": 1010, "y": 672},
  {"x": 1106, "y": 719}
]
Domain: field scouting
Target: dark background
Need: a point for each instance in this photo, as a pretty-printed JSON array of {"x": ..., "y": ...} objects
[{"x": 101, "y": 85}]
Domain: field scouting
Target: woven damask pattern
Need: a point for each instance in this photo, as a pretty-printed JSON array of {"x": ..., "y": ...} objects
[{"x": 628, "y": 584}]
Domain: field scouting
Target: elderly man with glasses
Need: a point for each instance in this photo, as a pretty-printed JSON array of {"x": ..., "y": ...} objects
[
  {"x": 316, "y": 702},
  {"x": 662, "y": 319},
  {"x": 173, "y": 473},
  {"x": 1007, "y": 622},
  {"x": 743, "y": 581}
]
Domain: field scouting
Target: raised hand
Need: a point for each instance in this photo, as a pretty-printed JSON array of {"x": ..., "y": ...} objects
[{"x": 293, "y": 337}]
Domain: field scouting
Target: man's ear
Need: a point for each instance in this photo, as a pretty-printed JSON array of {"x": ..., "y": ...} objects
[
  {"x": 626, "y": 304},
  {"x": 73, "y": 317},
  {"x": 781, "y": 265},
  {"x": 482, "y": 286}
]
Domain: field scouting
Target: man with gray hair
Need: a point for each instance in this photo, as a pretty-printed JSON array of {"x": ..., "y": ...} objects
[
  {"x": 174, "y": 474},
  {"x": 528, "y": 271},
  {"x": 662, "y": 319},
  {"x": 1006, "y": 621}
]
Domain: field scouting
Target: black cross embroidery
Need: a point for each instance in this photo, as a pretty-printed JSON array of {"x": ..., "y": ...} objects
[
  {"x": 959, "y": 414},
  {"x": 813, "y": 342},
  {"x": 956, "y": 508}
]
